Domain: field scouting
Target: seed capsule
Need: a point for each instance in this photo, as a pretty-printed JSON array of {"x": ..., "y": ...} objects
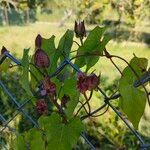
[
  {"x": 79, "y": 29},
  {"x": 85, "y": 82},
  {"x": 3, "y": 50},
  {"x": 38, "y": 41},
  {"x": 81, "y": 83},
  {"x": 41, "y": 107},
  {"x": 41, "y": 59},
  {"x": 49, "y": 87},
  {"x": 92, "y": 81}
]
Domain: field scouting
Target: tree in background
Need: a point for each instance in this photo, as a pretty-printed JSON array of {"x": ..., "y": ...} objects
[
  {"x": 6, "y": 5},
  {"x": 92, "y": 11}
]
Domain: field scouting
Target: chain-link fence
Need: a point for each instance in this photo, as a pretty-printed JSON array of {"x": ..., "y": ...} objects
[{"x": 21, "y": 109}]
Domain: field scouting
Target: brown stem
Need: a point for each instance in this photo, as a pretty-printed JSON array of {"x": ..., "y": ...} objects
[
  {"x": 81, "y": 40},
  {"x": 115, "y": 66},
  {"x": 61, "y": 112},
  {"x": 87, "y": 102},
  {"x": 101, "y": 113},
  {"x": 94, "y": 112},
  {"x": 77, "y": 43},
  {"x": 110, "y": 58},
  {"x": 83, "y": 107}
]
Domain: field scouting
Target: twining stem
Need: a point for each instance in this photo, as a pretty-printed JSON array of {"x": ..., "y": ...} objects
[
  {"x": 77, "y": 43},
  {"x": 87, "y": 102},
  {"x": 101, "y": 113},
  {"x": 94, "y": 112},
  {"x": 110, "y": 58},
  {"x": 115, "y": 65},
  {"x": 61, "y": 112},
  {"x": 83, "y": 107},
  {"x": 81, "y": 40}
]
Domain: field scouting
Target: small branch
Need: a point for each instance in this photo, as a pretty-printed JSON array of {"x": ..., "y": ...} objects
[
  {"x": 81, "y": 40},
  {"x": 87, "y": 102},
  {"x": 101, "y": 113},
  {"x": 115, "y": 66},
  {"x": 83, "y": 107},
  {"x": 110, "y": 58},
  {"x": 61, "y": 111},
  {"x": 77, "y": 43},
  {"x": 94, "y": 112}
]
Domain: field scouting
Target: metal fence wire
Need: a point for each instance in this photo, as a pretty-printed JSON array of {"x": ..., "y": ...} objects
[{"x": 20, "y": 107}]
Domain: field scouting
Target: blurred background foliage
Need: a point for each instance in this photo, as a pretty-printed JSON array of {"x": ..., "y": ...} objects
[
  {"x": 128, "y": 24},
  {"x": 126, "y": 17}
]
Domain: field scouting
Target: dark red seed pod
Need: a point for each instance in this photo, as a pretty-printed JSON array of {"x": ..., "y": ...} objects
[
  {"x": 79, "y": 29},
  {"x": 49, "y": 87},
  {"x": 85, "y": 82},
  {"x": 92, "y": 81},
  {"x": 41, "y": 107},
  {"x": 3, "y": 50},
  {"x": 41, "y": 59},
  {"x": 82, "y": 85},
  {"x": 38, "y": 41},
  {"x": 82, "y": 29}
]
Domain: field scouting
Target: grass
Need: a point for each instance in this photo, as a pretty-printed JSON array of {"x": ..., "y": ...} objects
[{"x": 16, "y": 38}]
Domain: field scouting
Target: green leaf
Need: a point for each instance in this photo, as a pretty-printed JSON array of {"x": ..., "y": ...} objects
[
  {"x": 65, "y": 43},
  {"x": 48, "y": 45},
  {"x": 24, "y": 80},
  {"x": 61, "y": 136},
  {"x": 34, "y": 139},
  {"x": 93, "y": 40},
  {"x": 133, "y": 100},
  {"x": 20, "y": 143},
  {"x": 70, "y": 89},
  {"x": 93, "y": 44},
  {"x": 5, "y": 65},
  {"x": 36, "y": 76}
]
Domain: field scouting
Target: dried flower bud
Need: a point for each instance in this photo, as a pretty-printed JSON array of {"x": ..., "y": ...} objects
[
  {"x": 81, "y": 83},
  {"x": 79, "y": 29},
  {"x": 38, "y": 41},
  {"x": 64, "y": 100},
  {"x": 43, "y": 93},
  {"x": 49, "y": 86},
  {"x": 3, "y": 50},
  {"x": 85, "y": 83},
  {"x": 92, "y": 81},
  {"x": 41, "y": 107},
  {"x": 41, "y": 59}
]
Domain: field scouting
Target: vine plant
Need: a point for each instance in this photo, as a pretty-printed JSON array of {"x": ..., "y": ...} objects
[{"x": 53, "y": 80}]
